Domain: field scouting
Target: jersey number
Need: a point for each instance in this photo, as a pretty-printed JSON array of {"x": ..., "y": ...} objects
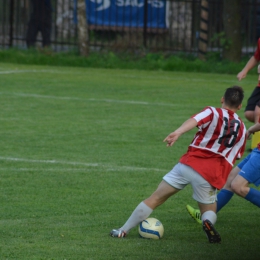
[{"x": 230, "y": 133}]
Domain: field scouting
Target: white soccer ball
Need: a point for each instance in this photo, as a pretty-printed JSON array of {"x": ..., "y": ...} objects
[{"x": 151, "y": 228}]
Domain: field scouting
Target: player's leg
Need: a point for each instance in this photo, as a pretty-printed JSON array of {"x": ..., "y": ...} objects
[
  {"x": 251, "y": 105},
  {"x": 225, "y": 194},
  {"x": 252, "y": 112},
  {"x": 145, "y": 208},
  {"x": 209, "y": 218},
  {"x": 141, "y": 212},
  {"x": 165, "y": 190},
  {"x": 250, "y": 115},
  {"x": 205, "y": 194},
  {"x": 223, "y": 197},
  {"x": 257, "y": 112},
  {"x": 241, "y": 188},
  {"x": 250, "y": 173},
  {"x": 208, "y": 211}
]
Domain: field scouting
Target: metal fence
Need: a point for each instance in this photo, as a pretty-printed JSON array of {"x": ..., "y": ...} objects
[{"x": 156, "y": 25}]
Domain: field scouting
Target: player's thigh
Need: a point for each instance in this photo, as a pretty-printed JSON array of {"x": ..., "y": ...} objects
[
  {"x": 250, "y": 116},
  {"x": 231, "y": 177},
  {"x": 160, "y": 195},
  {"x": 182, "y": 175},
  {"x": 179, "y": 176},
  {"x": 250, "y": 167},
  {"x": 238, "y": 183},
  {"x": 172, "y": 182},
  {"x": 164, "y": 189},
  {"x": 203, "y": 191}
]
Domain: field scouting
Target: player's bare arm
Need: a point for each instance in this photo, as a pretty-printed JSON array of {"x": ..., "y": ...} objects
[
  {"x": 257, "y": 111},
  {"x": 185, "y": 127},
  {"x": 251, "y": 130},
  {"x": 250, "y": 64}
]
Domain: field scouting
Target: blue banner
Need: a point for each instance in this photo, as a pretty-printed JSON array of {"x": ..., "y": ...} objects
[{"x": 126, "y": 13}]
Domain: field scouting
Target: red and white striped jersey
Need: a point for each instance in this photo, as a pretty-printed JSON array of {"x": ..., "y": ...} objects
[
  {"x": 257, "y": 51},
  {"x": 220, "y": 140}
]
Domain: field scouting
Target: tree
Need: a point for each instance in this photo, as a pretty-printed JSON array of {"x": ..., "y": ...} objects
[
  {"x": 83, "y": 38},
  {"x": 232, "y": 45}
]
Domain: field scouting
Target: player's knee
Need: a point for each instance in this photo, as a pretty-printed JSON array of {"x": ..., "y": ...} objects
[
  {"x": 153, "y": 201},
  {"x": 238, "y": 189},
  {"x": 249, "y": 115}
]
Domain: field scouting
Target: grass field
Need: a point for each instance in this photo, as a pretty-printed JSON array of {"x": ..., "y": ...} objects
[{"x": 80, "y": 148}]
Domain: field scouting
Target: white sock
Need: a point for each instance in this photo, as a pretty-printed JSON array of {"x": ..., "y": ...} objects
[
  {"x": 141, "y": 212},
  {"x": 210, "y": 215}
]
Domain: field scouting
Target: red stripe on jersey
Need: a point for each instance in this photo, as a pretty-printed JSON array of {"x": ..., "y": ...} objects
[
  {"x": 257, "y": 51},
  {"x": 221, "y": 136}
]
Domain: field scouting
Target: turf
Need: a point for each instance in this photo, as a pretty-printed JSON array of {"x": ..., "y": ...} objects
[{"x": 80, "y": 148}]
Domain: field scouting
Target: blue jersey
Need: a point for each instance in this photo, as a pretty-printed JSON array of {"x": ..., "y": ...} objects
[{"x": 250, "y": 167}]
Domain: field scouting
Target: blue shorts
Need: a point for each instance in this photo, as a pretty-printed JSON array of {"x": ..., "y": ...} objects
[{"x": 250, "y": 167}]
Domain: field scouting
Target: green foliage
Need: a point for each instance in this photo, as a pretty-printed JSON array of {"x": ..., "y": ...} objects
[
  {"x": 81, "y": 147},
  {"x": 141, "y": 61},
  {"x": 224, "y": 41}
]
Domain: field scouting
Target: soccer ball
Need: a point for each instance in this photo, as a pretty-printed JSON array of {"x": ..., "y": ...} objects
[{"x": 151, "y": 228}]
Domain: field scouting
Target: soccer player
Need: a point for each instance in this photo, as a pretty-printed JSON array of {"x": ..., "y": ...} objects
[
  {"x": 247, "y": 171},
  {"x": 220, "y": 139},
  {"x": 252, "y": 110}
]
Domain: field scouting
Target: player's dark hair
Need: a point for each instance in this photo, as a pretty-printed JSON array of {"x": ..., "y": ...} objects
[{"x": 234, "y": 96}]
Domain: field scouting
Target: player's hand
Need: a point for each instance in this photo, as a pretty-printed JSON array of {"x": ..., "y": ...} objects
[
  {"x": 241, "y": 75},
  {"x": 172, "y": 138},
  {"x": 248, "y": 135}
]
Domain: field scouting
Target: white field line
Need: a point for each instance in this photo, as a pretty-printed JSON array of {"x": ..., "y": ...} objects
[
  {"x": 100, "y": 165},
  {"x": 87, "y": 99}
]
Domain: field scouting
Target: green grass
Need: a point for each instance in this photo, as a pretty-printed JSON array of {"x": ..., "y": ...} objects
[
  {"x": 81, "y": 147},
  {"x": 111, "y": 60}
]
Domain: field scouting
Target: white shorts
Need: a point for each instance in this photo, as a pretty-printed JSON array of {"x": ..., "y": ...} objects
[{"x": 182, "y": 175}]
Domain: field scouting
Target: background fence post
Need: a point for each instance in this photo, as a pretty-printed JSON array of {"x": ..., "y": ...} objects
[
  {"x": 145, "y": 22},
  {"x": 82, "y": 28},
  {"x": 11, "y": 21},
  {"x": 203, "y": 36}
]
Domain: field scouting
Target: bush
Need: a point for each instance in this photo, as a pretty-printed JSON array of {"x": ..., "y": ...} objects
[{"x": 148, "y": 61}]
